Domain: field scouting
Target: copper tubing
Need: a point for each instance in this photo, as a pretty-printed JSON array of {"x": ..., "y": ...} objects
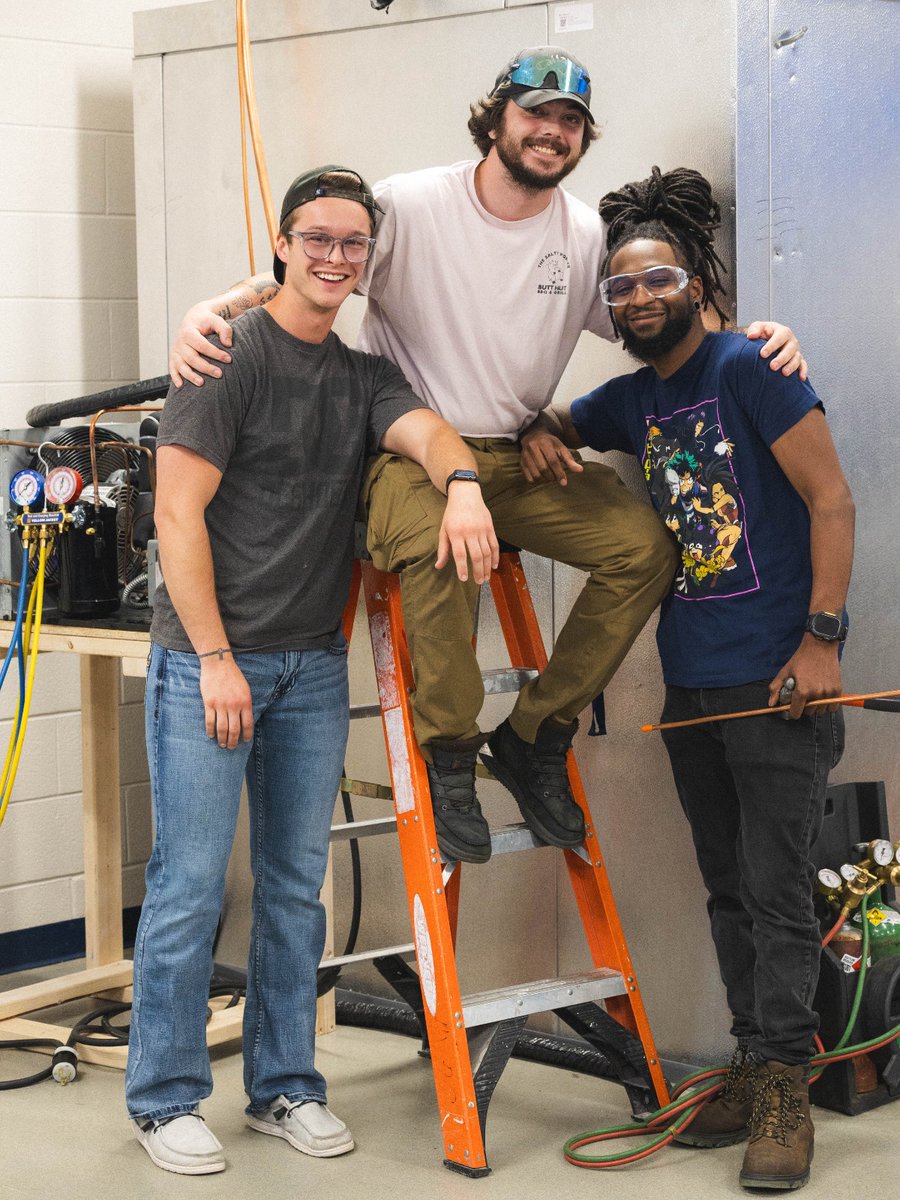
[
  {"x": 93, "y": 445},
  {"x": 854, "y": 700},
  {"x": 247, "y": 93}
]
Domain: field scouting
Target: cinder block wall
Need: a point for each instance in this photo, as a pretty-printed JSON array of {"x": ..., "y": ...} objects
[{"x": 68, "y": 315}]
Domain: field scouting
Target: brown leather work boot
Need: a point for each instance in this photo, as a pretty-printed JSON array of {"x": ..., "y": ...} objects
[
  {"x": 781, "y": 1128},
  {"x": 725, "y": 1119}
]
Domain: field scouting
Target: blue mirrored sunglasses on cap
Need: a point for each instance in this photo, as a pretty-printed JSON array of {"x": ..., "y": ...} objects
[{"x": 533, "y": 71}]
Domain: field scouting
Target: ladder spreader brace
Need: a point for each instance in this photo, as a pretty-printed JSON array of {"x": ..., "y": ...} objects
[{"x": 471, "y": 1038}]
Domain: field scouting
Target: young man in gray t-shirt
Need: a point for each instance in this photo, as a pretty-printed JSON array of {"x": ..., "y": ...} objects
[{"x": 258, "y": 478}]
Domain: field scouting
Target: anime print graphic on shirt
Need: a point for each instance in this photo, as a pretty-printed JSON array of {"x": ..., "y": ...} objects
[{"x": 688, "y": 467}]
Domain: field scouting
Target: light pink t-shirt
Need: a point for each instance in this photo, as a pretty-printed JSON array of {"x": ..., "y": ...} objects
[{"x": 481, "y": 315}]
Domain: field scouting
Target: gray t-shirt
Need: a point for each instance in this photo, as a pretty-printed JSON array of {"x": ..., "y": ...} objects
[{"x": 289, "y": 424}]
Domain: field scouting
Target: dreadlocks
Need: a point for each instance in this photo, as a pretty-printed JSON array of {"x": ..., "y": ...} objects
[{"x": 676, "y": 207}]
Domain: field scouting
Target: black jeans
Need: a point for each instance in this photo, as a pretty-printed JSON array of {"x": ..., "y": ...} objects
[{"x": 754, "y": 793}]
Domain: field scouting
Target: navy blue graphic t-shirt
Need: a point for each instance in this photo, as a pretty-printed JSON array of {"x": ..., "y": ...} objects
[{"x": 741, "y": 598}]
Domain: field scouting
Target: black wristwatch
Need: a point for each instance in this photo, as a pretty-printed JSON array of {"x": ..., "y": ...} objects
[
  {"x": 826, "y": 626},
  {"x": 468, "y": 476}
]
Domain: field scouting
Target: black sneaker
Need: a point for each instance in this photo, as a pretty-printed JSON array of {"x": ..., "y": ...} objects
[
  {"x": 538, "y": 778},
  {"x": 462, "y": 832}
]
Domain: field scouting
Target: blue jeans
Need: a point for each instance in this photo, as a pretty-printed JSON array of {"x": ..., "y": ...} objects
[
  {"x": 754, "y": 793},
  {"x": 293, "y": 770}
]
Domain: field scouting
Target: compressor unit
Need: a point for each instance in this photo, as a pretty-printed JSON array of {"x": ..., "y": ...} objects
[{"x": 97, "y": 568}]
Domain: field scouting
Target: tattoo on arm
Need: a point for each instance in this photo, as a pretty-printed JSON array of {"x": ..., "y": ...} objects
[
  {"x": 249, "y": 293},
  {"x": 267, "y": 289}
]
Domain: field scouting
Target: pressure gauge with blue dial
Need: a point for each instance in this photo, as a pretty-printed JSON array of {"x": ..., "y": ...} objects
[{"x": 26, "y": 489}]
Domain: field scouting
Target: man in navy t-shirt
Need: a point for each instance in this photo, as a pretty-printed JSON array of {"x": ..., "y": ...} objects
[{"x": 741, "y": 467}]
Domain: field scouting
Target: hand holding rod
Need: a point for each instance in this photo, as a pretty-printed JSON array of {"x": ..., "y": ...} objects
[{"x": 883, "y": 701}]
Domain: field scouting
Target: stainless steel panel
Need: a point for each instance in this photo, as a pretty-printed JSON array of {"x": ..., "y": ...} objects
[{"x": 816, "y": 245}]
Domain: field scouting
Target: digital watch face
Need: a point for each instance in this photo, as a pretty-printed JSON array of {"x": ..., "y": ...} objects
[
  {"x": 26, "y": 489},
  {"x": 63, "y": 485},
  {"x": 829, "y": 879}
]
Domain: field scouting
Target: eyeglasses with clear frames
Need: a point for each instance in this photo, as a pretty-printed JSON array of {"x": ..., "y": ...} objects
[
  {"x": 355, "y": 249},
  {"x": 656, "y": 281}
]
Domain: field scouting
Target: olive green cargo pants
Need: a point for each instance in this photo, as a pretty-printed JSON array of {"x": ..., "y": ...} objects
[{"x": 593, "y": 524}]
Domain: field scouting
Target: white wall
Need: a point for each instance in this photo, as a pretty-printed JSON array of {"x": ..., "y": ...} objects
[{"x": 68, "y": 315}]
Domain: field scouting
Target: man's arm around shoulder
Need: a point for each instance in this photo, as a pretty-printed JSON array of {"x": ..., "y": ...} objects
[
  {"x": 192, "y": 355},
  {"x": 185, "y": 484}
]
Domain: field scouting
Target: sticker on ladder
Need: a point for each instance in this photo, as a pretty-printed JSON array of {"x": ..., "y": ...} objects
[
  {"x": 424, "y": 955},
  {"x": 404, "y": 800},
  {"x": 385, "y": 667}
]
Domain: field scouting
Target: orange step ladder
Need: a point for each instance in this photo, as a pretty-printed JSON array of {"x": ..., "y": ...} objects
[{"x": 470, "y": 1038}]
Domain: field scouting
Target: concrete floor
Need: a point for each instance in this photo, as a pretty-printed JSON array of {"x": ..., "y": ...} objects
[{"x": 76, "y": 1141}]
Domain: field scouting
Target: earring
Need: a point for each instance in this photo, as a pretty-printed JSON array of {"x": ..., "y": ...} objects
[{"x": 696, "y": 306}]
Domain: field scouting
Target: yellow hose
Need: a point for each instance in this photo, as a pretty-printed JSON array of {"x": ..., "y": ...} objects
[
  {"x": 17, "y": 741},
  {"x": 25, "y": 637}
]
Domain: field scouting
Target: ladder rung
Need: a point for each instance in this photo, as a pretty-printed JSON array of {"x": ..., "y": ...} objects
[
  {"x": 360, "y": 829},
  {"x": 543, "y": 995},
  {"x": 364, "y": 710},
  {"x": 406, "y": 951},
  {"x": 509, "y": 839},
  {"x": 359, "y": 787},
  {"x": 507, "y": 679}
]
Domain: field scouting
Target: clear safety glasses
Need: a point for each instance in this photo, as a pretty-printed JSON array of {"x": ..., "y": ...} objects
[
  {"x": 533, "y": 71},
  {"x": 355, "y": 249},
  {"x": 656, "y": 281}
]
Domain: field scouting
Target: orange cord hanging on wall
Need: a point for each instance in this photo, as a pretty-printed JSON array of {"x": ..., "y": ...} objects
[{"x": 250, "y": 115}]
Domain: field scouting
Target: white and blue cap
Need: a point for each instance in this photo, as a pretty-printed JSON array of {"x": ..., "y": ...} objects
[{"x": 539, "y": 74}]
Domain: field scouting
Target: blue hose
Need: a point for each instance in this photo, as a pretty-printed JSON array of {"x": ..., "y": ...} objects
[{"x": 16, "y": 639}]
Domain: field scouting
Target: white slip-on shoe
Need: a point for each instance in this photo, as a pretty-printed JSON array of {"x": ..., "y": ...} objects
[
  {"x": 181, "y": 1144},
  {"x": 308, "y": 1126}
]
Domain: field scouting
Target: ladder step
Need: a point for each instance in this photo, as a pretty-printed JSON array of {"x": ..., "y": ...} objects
[
  {"x": 504, "y": 679},
  {"x": 361, "y": 829},
  {"x": 406, "y": 951},
  {"x": 359, "y": 787},
  {"x": 509, "y": 839},
  {"x": 542, "y": 995},
  {"x": 507, "y": 679},
  {"x": 358, "y": 711}
]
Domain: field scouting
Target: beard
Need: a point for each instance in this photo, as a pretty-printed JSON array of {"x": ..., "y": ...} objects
[
  {"x": 510, "y": 154},
  {"x": 675, "y": 328}
]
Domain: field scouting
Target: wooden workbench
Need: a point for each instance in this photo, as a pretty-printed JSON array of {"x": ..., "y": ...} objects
[{"x": 105, "y": 655}]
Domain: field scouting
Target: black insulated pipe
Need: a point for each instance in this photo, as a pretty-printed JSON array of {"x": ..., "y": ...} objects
[{"x": 43, "y": 415}]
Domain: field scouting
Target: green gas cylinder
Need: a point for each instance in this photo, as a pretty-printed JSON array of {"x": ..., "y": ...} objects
[{"x": 884, "y": 928}]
